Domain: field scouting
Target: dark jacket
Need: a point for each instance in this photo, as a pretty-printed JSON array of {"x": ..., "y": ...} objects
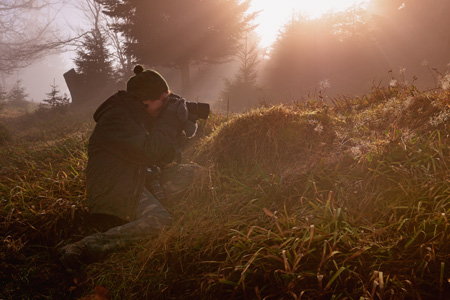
[{"x": 120, "y": 149}]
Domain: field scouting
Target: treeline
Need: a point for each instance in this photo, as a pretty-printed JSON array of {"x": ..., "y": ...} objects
[
  {"x": 397, "y": 41},
  {"x": 159, "y": 34},
  {"x": 16, "y": 99},
  {"x": 387, "y": 42}
]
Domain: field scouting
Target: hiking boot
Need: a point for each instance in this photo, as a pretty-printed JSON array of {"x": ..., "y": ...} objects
[{"x": 73, "y": 255}]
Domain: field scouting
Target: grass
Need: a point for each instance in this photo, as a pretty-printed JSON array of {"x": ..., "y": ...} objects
[
  {"x": 42, "y": 200},
  {"x": 307, "y": 201}
]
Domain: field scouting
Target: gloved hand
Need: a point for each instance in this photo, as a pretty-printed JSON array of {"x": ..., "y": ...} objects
[
  {"x": 174, "y": 121},
  {"x": 190, "y": 128},
  {"x": 175, "y": 115}
]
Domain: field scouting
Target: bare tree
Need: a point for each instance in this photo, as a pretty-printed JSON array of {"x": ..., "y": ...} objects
[
  {"x": 117, "y": 41},
  {"x": 26, "y": 32}
]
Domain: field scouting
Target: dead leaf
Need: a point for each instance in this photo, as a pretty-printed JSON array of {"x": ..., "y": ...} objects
[{"x": 101, "y": 293}]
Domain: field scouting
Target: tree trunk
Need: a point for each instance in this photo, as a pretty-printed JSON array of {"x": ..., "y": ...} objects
[
  {"x": 76, "y": 87},
  {"x": 185, "y": 79}
]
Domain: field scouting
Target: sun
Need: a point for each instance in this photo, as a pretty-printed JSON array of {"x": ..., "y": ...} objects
[{"x": 273, "y": 14}]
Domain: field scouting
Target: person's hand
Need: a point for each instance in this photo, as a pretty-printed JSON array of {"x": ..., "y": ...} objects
[
  {"x": 174, "y": 118},
  {"x": 174, "y": 121}
]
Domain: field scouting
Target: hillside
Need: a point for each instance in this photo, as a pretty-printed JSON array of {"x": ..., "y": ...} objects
[{"x": 300, "y": 201}]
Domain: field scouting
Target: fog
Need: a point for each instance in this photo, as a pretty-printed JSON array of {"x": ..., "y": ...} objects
[
  {"x": 401, "y": 40},
  {"x": 38, "y": 78}
]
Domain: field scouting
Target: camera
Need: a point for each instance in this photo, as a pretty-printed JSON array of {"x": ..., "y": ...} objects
[{"x": 196, "y": 110}]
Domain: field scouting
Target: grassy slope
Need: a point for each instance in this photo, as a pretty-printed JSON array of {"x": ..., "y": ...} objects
[{"x": 303, "y": 201}]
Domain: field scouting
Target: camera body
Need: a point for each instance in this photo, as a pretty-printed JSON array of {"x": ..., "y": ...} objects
[{"x": 196, "y": 110}]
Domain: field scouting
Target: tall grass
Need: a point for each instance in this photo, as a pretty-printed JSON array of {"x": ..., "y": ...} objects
[
  {"x": 308, "y": 201},
  {"x": 42, "y": 188},
  {"x": 311, "y": 202}
]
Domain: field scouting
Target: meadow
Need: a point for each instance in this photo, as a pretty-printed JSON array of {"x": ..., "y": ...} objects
[{"x": 348, "y": 199}]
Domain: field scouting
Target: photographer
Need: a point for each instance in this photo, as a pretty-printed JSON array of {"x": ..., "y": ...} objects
[{"x": 135, "y": 129}]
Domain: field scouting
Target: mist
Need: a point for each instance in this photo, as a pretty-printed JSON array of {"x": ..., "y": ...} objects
[
  {"x": 389, "y": 43},
  {"x": 402, "y": 42}
]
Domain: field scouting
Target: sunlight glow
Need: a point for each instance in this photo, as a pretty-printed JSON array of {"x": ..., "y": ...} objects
[{"x": 275, "y": 13}]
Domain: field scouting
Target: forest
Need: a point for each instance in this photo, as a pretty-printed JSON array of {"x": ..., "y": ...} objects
[
  {"x": 341, "y": 53},
  {"x": 324, "y": 163}
]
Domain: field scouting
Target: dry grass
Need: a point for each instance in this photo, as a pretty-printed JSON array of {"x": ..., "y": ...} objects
[
  {"x": 42, "y": 187},
  {"x": 308, "y": 202},
  {"x": 349, "y": 201}
]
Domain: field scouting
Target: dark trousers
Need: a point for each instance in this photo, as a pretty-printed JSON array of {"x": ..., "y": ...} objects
[{"x": 151, "y": 216}]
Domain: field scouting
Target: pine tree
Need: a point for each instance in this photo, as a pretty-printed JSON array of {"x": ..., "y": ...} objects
[
  {"x": 176, "y": 34},
  {"x": 54, "y": 99},
  {"x": 2, "y": 98},
  {"x": 93, "y": 63},
  {"x": 243, "y": 92},
  {"x": 17, "y": 95},
  {"x": 248, "y": 56},
  {"x": 2, "y": 94}
]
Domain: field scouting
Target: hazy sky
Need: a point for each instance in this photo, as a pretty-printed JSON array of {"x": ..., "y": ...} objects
[
  {"x": 38, "y": 78},
  {"x": 273, "y": 15}
]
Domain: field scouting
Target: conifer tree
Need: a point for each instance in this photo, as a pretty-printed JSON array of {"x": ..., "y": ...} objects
[
  {"x": 2, "y": 97},
  {"x": 2, "y": 94},
  {"x": 93, "y": 63},
  {"x": 176, "y": 34},
  {"x": 17, "y": 94},
  {"x": 242, "y": 91},
  {"x": 54, "y": 98}
]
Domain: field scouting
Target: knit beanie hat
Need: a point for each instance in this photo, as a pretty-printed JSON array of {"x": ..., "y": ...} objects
[{"x": 146, "y": 84}]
